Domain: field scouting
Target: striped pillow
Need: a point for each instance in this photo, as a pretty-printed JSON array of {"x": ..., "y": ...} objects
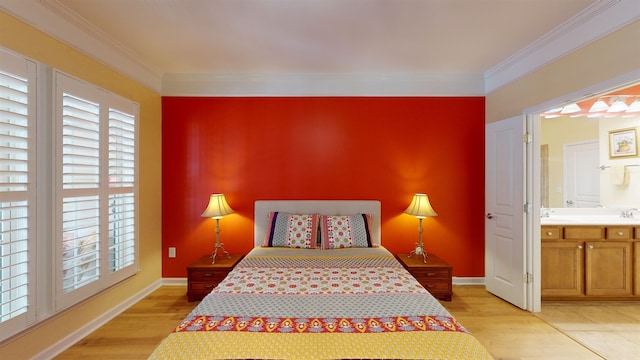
[
  {"x": 292, "y": 230},
  {"x": 345, "y": 231}
]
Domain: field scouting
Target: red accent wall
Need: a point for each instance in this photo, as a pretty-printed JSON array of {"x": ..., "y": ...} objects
[{"x": 384, "y": 148}]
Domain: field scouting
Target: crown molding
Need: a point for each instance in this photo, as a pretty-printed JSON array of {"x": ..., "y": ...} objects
[
  {"x": 595, "y": 22},
  {"x": 600, "y": 19},
  {"x": 312, "y": 84},
  {"x": 57, "y": 21}
]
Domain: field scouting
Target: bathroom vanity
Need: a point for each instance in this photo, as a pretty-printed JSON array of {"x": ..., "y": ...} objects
[{"x": 590, "y": 257}]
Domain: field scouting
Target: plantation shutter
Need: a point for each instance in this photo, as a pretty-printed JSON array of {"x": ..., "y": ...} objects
[
  {"x": 97, "y": 182},
  {"x": 78, "y": 176},
  {"x": 69, "y": 206},
  {"x": 17, "y": 192},
  {"x": 122, "y": 253}
]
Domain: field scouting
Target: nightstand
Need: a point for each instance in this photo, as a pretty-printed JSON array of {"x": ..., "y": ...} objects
[
  {"x": 203, "y": 276},
  {"x": 435, "y": 275}
]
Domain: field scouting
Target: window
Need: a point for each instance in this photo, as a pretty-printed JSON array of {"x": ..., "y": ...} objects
[
  {"x": 83, "y": 229},
  {"x": 96, "y": 182},
  {"x": 17, "y": 191}
]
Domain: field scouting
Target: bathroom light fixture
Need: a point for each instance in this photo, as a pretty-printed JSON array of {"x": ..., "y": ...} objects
[
  {"x": 599, "y": 106},
  {"x": 634, "y": 107},
  {"x": 420, "y": 208},
  {"x": 570, "y": 109},
  {"x": 217, "y": 208},
  {"x": 618, "y": 105}
]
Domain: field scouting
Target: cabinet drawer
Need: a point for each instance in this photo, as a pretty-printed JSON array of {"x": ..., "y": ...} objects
[
  {"x": 550, "y": 233},
  {"x": 435, "y": 286},
  {"x": 430, "y": 273},
  {"x": 619, "y": 232},
  {"x": 637, "y": 232},
  {"x": 200, "y": 287},
  {"x": 584, "y": 232},
  {"x": 203, "y": 274}
]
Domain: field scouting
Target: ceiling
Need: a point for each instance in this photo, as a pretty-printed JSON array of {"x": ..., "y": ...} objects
[{"x": 428, "y": 40}]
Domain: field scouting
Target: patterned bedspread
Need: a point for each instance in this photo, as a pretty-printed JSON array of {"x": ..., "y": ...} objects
[{"x": 319, "y": 304}]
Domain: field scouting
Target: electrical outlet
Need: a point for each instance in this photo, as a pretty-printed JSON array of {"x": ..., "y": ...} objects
[{"x": 172, "y": 252}]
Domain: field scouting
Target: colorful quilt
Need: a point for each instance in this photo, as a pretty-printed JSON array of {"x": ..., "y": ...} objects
[{"x": 350, "y": 303}]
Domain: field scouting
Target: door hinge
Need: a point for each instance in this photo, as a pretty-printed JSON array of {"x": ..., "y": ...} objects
[
  {"x": 527, "y": 138},
  {"x": 528, "y": 278},
  {"x": 526, "y": 208}
]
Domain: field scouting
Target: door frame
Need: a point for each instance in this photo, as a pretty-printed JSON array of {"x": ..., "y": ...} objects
[
  {"x": 533, "y": 244},
  {"x": 533, "y": 187}
]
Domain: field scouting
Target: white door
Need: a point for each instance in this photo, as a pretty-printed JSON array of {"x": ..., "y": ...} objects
[
  {"x": 581, "y": 174},
  {"x": 504, "y": 208}
]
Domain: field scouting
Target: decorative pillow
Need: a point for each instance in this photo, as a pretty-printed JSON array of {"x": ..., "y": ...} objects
[
  {"x": 292, "y": 230},
  {"x": 345, "y": 231}
]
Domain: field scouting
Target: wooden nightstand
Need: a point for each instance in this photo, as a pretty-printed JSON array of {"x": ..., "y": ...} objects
[
  {"x": 203, "y": 276},
  {"x": 435, "y": 275}
]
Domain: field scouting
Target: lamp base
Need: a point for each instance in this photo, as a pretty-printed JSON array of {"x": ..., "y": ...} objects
[
  {"x": 419, "y": 250},
  {"x": 215, "y": 252}
]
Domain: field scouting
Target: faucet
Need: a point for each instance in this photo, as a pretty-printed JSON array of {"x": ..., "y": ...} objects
[
  {"x": 628, "y": 213},
  {"x": 546, "y": 212}
]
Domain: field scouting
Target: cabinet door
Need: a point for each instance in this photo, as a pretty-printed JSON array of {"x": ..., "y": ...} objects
[
  {"x": 608, "y": 268},
  {"x": 562, "y": 268},
  {"x": 636, "y": 264}
]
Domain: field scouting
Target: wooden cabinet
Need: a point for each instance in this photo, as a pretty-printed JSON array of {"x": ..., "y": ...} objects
[
  {"x": 636, "y": 261},
  {"x": 203, "y": 276},
  {"x": 590, "y": 261},
  {"x": 608, "y": 268},
  {"x": 636, "y": 265},
  {"x": 435, "y": 275},
  {"x": 562, "y": 268}
]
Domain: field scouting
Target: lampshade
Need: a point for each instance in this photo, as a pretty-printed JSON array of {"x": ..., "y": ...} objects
[
  {"x": 570, "y": 109},
  {"x": 634, "y": 107},
  {"x": 217, "y": 208},
  {"x": 599, "y": 106},
  {"x": 420, "y": 207},
  {"x": 618, "y": 105}
]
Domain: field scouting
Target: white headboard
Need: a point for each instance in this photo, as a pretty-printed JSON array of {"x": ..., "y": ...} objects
[{"x": 322, "y": 207}]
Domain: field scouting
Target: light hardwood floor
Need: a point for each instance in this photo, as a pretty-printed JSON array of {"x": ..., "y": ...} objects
[{"x": 508, "y": 332}]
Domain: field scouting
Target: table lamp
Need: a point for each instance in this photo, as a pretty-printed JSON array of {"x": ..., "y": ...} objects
[
  {"x": 217, "y": 208},
  {"x": 420, "y": 208}
]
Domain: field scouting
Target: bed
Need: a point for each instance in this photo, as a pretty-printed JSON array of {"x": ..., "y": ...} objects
[{"x": 330, "y": 299}]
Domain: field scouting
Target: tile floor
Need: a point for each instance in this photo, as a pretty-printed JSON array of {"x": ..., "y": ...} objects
[{"x": 610, "y": 329}]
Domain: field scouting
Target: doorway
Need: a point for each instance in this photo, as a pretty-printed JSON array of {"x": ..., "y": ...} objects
[{"x": 537, "y": 165}]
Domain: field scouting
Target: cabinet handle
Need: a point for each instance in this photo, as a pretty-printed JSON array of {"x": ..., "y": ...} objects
[
  {"x": 549, "y": 233},
  {"x": 579, "y": 247},
  {"x": 430, "y": 274},
  {"x": 620, "y": 233},
  {"x": 208, "y": 286},
  {"x": 590, "y": 246}
]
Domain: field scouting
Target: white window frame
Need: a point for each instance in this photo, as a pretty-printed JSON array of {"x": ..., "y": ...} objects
[
  {"x": 44, "y": 201},
  {"x": 17, "y": 65},
  {"x": 104, "y": 191}
]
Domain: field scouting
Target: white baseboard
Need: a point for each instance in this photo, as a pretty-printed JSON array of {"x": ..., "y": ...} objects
[
  {"x": 468, "y": 280},
  {"x": 66, "y": 342},
  {"x": 174, "y": 282}
]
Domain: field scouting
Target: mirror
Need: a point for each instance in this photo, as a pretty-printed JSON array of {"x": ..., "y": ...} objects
[{"x": 585, "y": 158}]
